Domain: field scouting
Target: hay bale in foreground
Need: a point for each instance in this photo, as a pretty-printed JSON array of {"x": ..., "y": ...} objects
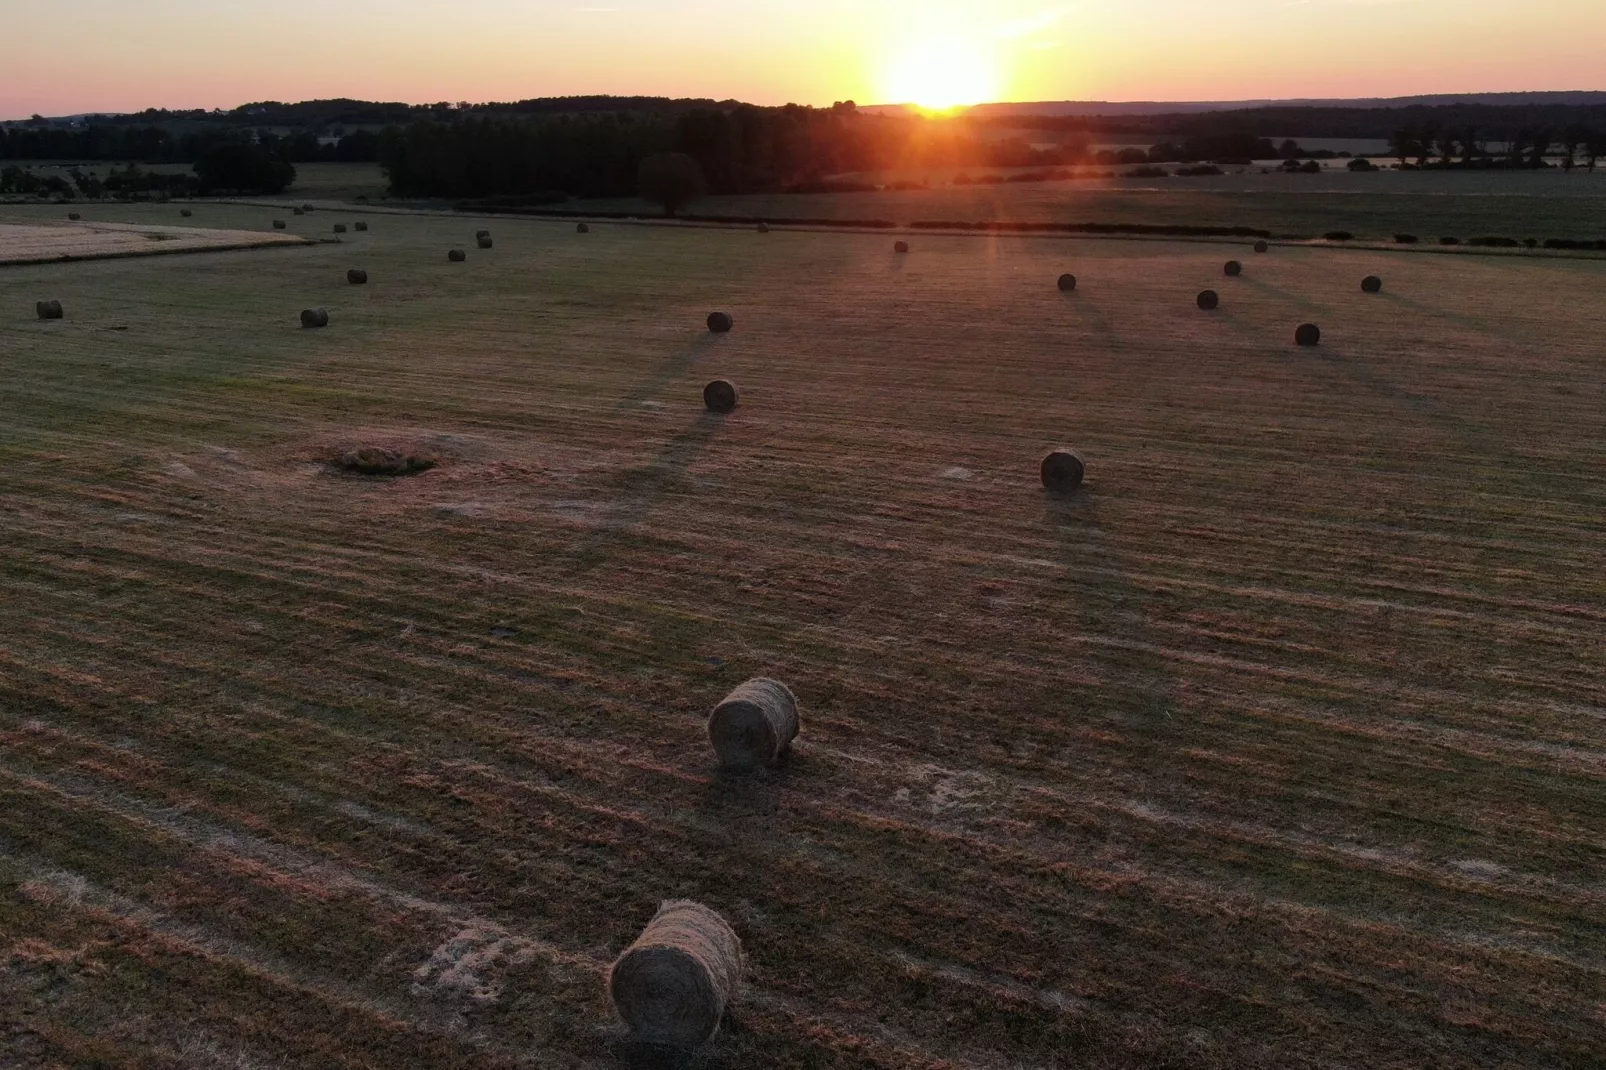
[
  {"x": 312, "y": 318},
  {"x": 374, "y": 461},
  {"x": 1063, "y": 470},
  {"x": 340, "y": 228},
  {"x": 360, "y": 226},
  {"x": 674, "y": 984},
  {"x": 1262, "y": 247},
  {"x": 483, "y": 243},
  {"x": 1067, "y": 283},
  {"x": 357, "y": 276},
  {"x": 900, "y": 247},
  {"x": 1371, "y": 285},
  {"x": 720, "y": 322},
  {"x": 48, "y": 310},
  {"x": 457, "y": 256},
  {"x": 721, "y": 396},
  {"x": 1308, "y": 334},
  {"x": 754, "y": 725},
  {"x": 278, "y": 224},
  {"x": 1209, "y": 300},
  {"x": 1233, "y": 269},
  {"x": 185, "y": 212},
  {"x": 583, "y": 228}
]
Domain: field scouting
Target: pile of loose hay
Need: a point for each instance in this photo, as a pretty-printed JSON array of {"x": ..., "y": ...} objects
[
  {"x": 1372, "y": 285},
  {"x": 720, "y": 322},
  {"x": 48, "y": 310},
  {"x": 1308, "y": 334},
  {"x": 357, "y": 276},
  {"x": 375, "y": 461},
  {"x": 674, "y": 984},
  {"x": 1063, "y": 470},
  {"x": 314, "y": 317},
  {"x": 754, "y": 725},
  {"x": 1067, "y": 283},
  {"x": 1209, "y": 300}
]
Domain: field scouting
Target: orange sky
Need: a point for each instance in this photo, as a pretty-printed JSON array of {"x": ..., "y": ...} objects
[{"x": 121, "y": 55}]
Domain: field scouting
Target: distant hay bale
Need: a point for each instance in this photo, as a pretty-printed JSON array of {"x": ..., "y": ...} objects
[
  {"x": 720, "y": 322},
  {"x": 299, "y": 211},
  {"x": 278, "y": 224},
  {"x": 1233, "y": 269},
  {"x": 306, "y": 207},
  {"x": 74, "y": 216},
  {"x": 900, "y": 247},
  {"x": 457, "y": 256},
  {"x": 1261, "y": 247},
  {"x": 374, "y": 461},
  {"x": 754, "y": 725},
  {"x": 763, "y": 228},
  {"x": 721, "y": 395},
  {"x": 1308, "y": 334},
  {"x": 1062, "y": 471},
  {"x": 483, "y": 243},
  {"x": 359, "y": 226},
  {"x": 185, "y": 212},
  {"x": 674, "y": 984},
  {"x": 482, "y": 234},
  {"x": 362, "y": 198},
  {"x": 1209, "y": 300},
  {"x": 1067, "y": 283},
  {"x": 48, "y": 310},
  {"x": 357, "y": 276},
  {"x": 314, "y": 317},
  {"x": 340, "y": 228},
  {"x": 583, "y": 228},
  {"x": 1372, "y": 285}
]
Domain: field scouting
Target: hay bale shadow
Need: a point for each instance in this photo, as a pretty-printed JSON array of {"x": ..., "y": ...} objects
[{"x": 672, "y": 367}]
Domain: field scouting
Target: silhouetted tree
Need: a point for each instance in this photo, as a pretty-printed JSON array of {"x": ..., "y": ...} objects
[
  {"x": 670, "y": 179},
  {"x": 243, "y": 168}
]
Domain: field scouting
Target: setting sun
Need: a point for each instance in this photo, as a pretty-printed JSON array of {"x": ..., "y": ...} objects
[{"x": 943, "y": 73}]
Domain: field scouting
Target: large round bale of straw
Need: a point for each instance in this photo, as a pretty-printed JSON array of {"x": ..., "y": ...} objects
[
  {"x": 340, "y": 228},
  {"x": 1308, "y": 334},
  {"x": 583, "y": 228},
  {"x": 482, "y": 234},
  {"x": 357, "y": 276},
  {"x": 1209, "y": 300},
  {"x": 360, "y": 226},
  {"x": 74, "y": 216},
  {"x": 720, "y": 322},
  {"x": 48, "y": 310},
  {"x": 1067, "y": 283},
  {"x": 299, "y": 211},
  {"x": 278, "y": 224},
  {"x": 763, "y": 228},
  {"x": 314, "y": 317},
  {"x": 754, "y": 725},
  {"x": 721, "y": 395},
  {"x": 1262, "y": 247},
  {"x": 1371, "y": 285},
  {"x": 185, "y": 212},
  {"x": 1063, "y": 471},
  {"x": 1233, "y": 269},
  {"x": 483, "y": 243},
  {"x": 674, "y": 984},
  {"x": 900, "y": 247},
  {"x": 457, "y": 256}
]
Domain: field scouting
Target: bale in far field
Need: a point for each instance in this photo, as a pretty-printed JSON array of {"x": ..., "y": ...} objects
[
  {"x": 1233, "y": 269},
  {"x": 74, "y": 216},
  {"x": 763, "y": 228},
  {"x": 1209, "y": 300},
  {"x": 374, "y": 461},
  {"x": 278, "y": 224},
  {"x": 583, "y": 228},
  {"x": 720, "y": 322},
  {"x": 48, "y": 310},
  {"x": 185, "y": 212},
  {"x": 314, "y": 317},
  {"x": 360, "y": 226},
  {"x": 306, "y": 207},
  {"x": 340, "y": 228},
  {"x": 457, "y": 256},
  {"x": 1067, "y": 283},
  {"x": 484, "y": 243},
  {"x": 674, "y": 984},
  {"x": 1308, "y": 334},
  {"x": 900, "y": 247},
  {"x": 299, "y": 211},
  {"x": 754, "y": 725},
  {"x": 721, "y": 396},
  {"x": 1063, "y": 471},
  {"x": 482, "y": 234},
  {"x": 1372, "y": 285},
  {"x": 357, "y": 276},
  {"x": 1261, "y": 247}
]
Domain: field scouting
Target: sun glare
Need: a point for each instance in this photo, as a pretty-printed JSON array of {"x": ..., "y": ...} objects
[{"x": 943, "y": 73}]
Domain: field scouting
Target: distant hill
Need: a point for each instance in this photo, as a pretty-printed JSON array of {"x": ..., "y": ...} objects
[{"x": 1149, "y": 107}]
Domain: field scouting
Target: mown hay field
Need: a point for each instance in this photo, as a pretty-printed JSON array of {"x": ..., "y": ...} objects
[
  {"x": 1280, "y": 744},
  {"x": 37, "y": 242}
]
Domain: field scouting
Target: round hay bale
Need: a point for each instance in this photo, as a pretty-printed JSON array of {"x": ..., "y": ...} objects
[
  {"x": 1262, "y": 247},
  {"x": 360, "y": 227},
  {"x": 1063, "y": 471},
  {"x": 1233, "y": 269},
  {"x": 299, "y": 211},
  {"x": 357, "y": 276},
  {"x": 583, "y": 228},
  {"x": 48, "y": 310},
  {"x": 1371, "y": 285},
  {"x": 1209, "y": 300},
  {"x": 314, "y": 317},
  {"x": 755, "y": 724},
  {"x": 306, "y": 207},
  {"x": 900, "y": 247},
  {"x": 340, "y": 228},
  {"x": 763, "y": 228},
  {"x": 720, "y": 322},
  {"x": 721, "y": 395},
  {"x": 1308, "y": 334},
  {"x": 1067, "y": 283},
  {"x": 185, "y": 212},
  {"x": 483, "y": 243},
  {"x": 377, "y": 461},
  {"x": 278, "y": 224},
  {"x": 74, "y": 216},
  {"x": 482, "y": 234},
  {"x": 457, "y": 256},
  {"x": 673, "y": 985}
]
